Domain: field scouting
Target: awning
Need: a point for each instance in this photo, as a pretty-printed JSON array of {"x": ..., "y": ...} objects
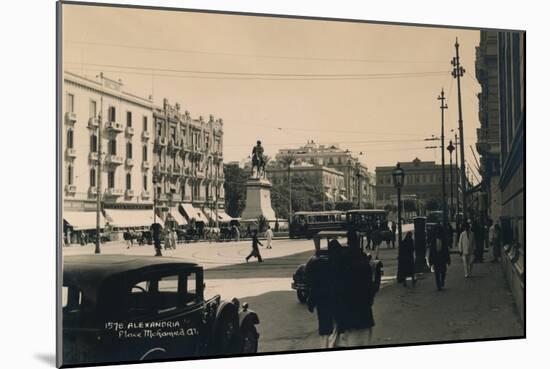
[
  {"x": 128, "y": 218},
  {"x": 80, "y": 220},
  {"x": 343, "y": 198},
  {"x": 176, "y": 215},
  {"x": 193, "y": 213},
  {"x": 328, "y": 195},
  {"x": 223, "y": 216}
]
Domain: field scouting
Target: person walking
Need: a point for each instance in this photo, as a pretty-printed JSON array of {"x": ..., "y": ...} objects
[
  {"x": 439, "y": 259},
  {"x": 405, "y": 260},
  {"x": 393, "y": 232},
  {"x": 268, "y": 237},
  {"x": 494, "y": 239},
  {"x": 255, "y": 250},
  {"x": 156, "y": 233},
  {"x": 173, "y": 238},
  {"x": 127, "y": 237},
  {"x": 466, "y": 248},
  {"x": 236, "y": 233}
]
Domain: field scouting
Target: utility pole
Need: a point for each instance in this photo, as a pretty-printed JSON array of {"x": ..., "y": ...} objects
[
  {"x": 98, "y": 181},
  {"x": 458, "y": 72},
  {"x": 451, "y": 149},
  {"x": 457, "y": 180},
  {"x": 443, "y": 106}
]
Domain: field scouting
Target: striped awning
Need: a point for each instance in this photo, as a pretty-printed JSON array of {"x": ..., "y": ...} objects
[{"x": 81, "y": 220}]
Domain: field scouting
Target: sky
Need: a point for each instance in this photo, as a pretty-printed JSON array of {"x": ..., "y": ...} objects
[{"x": 370, "y": 88}]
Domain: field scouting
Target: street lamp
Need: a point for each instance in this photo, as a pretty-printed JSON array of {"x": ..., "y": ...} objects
[
  {"x": 451, "y": 148},
  {"x": 398, "y": 177},
  {"x": 358, "y": 167}
]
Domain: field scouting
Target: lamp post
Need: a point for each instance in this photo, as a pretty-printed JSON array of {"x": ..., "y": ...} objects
[
  {"x": 451, "y": 148},
  {"x": 358, "y": 167},
  {"x": 398, "y": 176}
]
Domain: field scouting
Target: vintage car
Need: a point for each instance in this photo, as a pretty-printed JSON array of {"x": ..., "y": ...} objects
[
  {"x": 140, "y": 308},
  {"x": 299, "y": 277}
]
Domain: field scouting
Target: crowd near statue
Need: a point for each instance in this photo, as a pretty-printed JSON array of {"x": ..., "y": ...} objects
[{"x": 258, "y": 161}]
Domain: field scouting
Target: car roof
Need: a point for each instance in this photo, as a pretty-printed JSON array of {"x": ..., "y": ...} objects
[
  {"x": 89, "y": 272},
  {"x": 328, "y": 212},
  {"x": 367, "y": 211}
]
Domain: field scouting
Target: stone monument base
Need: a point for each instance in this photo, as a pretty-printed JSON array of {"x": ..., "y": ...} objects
[{"x": 258, "y": 200}]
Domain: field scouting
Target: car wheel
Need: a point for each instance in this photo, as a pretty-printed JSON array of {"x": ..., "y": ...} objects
[
  {"x": 302, "y": 296},
  {"x": 249, "y": 339},
  {"x": 226, "y": 335}
]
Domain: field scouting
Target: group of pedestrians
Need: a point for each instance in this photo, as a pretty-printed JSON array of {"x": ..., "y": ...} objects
[
  {"x": 342, "y": 293},
  {"x": 470, "y": 244}
]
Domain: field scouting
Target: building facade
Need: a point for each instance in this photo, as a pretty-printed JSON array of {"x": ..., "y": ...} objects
[
  {"x": 501, "y": 61},
  {"x": 423, "y": 182},
  {"x": 358, "y": 182},
  {"x": 91, "y": 105},
  {"x": 188, "y": 164}
]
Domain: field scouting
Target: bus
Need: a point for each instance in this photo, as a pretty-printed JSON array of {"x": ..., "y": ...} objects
[{"x": 309, "y": 223}]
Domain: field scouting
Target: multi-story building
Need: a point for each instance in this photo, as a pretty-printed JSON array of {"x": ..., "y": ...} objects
[
  {"x": 423, "y": 182},
  {"x": 188, "y": 164},
  {"x": 501, "y": 72},
  {"x": 357, "y": 180},
  {"x": 153, "y": 159},
  {"x": 488, "y": 135},
  {"x": 329, "y": 180},
  {"x": 91, "y": 105}
]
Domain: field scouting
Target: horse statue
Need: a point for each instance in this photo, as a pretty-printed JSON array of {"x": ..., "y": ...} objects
[{"x": 258, "y": 161}]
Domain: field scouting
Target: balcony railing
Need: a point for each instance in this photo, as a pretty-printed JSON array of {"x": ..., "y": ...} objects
[
  {"x": 93, "y": 122},
  {"x": 145, "y": 194},
  {"x": 145, "y": 135},
  {"x": 114, "y": 160},
  {"x": 145, "y": 165},
  {"x": 70, "y": 117},
  {"x": 114, "y": 127},
  {"x": 70, "y": 152},
  {"x": 175, "y": 197},
  {"x": 129, "y": 131},
  {"x": 92, "y": 190},
  {"x": 162, "y": 197},
  {"x": 70, "y": 188},
  {"x": 129, "y": 193},
  {"x": 114, "y": 192},
  {"x": 94, "y": 156},
  {"x": 129, "y": 162},
  {"x": 160, "y": 141}
]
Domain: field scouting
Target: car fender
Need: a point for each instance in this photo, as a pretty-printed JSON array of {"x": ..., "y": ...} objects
[{"x": 247, "y": 317}]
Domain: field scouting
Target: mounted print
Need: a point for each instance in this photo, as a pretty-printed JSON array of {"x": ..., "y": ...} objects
[{"x": 235, "y": 184}]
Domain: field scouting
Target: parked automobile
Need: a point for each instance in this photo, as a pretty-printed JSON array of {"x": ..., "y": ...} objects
[
  {"x": 139, "y": 308},
  {"x": 299, "y": 281}
]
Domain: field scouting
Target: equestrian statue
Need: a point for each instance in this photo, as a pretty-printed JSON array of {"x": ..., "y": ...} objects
[{"x": 258, "y": 161}]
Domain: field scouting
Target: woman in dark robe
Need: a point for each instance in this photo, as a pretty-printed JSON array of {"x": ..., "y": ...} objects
[{"x": 405, "y": 265}]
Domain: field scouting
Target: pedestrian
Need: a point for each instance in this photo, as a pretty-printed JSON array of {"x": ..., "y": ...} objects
[
  {"x": 439, "y": 258},
  {"x": 405, "y": 260},
  {"x": 495, "y": 241},
  {"x": 319, "y": 273},
  {"x": 167, "y": 239},
  {"x": 255, "y": 250},
  {"x": 353, "y": 238},
  {"x": 354, "y": 292},
  {"x": 173, "y": 238},
  {"x": 276, "y": 228},
  {"x": 478, "y": 230},
  {"x": 127, "y": 237},
  {"x": 268, "y": 237},
  {"x": 237, "y": 233},
  {"x": 155, "y": 232},
  {"x": 466, "y": 248},
  {"x": 393, "y": 232}
]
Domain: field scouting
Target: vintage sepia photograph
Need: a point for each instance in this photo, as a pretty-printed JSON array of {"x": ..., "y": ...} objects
[{"x": 239, "y": 184}]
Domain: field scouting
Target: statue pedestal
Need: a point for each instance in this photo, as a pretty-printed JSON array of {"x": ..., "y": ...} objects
[{"x": 258, "y": 200}]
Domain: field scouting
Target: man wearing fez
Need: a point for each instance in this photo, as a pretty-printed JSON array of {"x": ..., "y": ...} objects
[{"x": 155, "y": 232}]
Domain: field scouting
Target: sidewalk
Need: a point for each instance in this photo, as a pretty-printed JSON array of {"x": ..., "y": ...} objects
[{"x": 474, "y": 308}]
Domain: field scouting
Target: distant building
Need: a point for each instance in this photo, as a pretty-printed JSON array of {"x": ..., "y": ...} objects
[
  {"x": 329, "y": 180},
  {"x": 423, "y": 183},
  {"x": 332, "y": 156}
]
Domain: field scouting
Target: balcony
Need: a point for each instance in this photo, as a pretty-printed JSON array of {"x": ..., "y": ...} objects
[
  {"x": 145, "y": 194},
  {"x": 160, "y": 168},
  {"x": 114, "y": 192},
  {"x": 162, "y": 197},
  {"x": 93, "y": 156},
  {"x": 70, "y": 117},
  {"x": 70, "y": 152},
  {"x": 176, "y": 170},
  {"x": 145, "y": 135},
  {"x": 93, "y": 122},
  {"x": 114, "y": 127},
  {"x": 130, "y": 131},
  {"x": 174, "y": 146},
  {"x": 70, "y": 189},
  {"x": 129, "y": 193},
  {"x": 114, "y": 160},
  {"x": 175, "y": 197},
  {"x": 145, "y": 165},
  {"x": 92, "y": 190},
  {"x": 129, "y": 162}
]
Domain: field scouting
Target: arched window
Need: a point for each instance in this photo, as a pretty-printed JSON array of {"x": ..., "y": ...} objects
[
  {"x": 129, "y": 150},
  {"x": 128, "y": 181},
  {"x": 70, "y": 174},
  {"x": 93, "y": 143},
  {"x": 144, "y": 153},
  {"x": 70, "y": 138},
  {"x": 145, "y": 182},
  {"x": 92, "y": 177}
]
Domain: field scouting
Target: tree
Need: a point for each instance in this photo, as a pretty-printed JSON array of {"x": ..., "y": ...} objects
[
  {"x": 235, "y": 189},
  {"x": 305, "y": 193}
]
